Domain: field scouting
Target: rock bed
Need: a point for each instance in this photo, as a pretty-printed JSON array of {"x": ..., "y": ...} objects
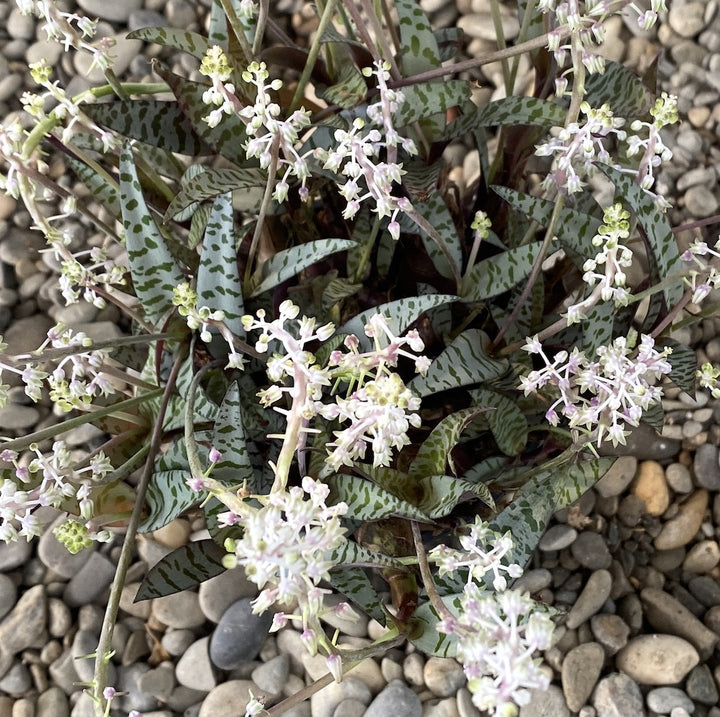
[{"x": 635, "y": 563}]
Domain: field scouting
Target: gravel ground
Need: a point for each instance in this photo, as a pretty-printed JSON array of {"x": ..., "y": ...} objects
[{"x": 636, "y": 562}]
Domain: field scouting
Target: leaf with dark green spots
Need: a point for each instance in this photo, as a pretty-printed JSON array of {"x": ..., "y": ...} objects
[
  {"x": 654, "y": 416},
  {"x": 501, "y": 272},
  {"x": 575, "y": 229},
  {"x": 198, "y": 222},
  {"x": 168, "y": 497},
  {"x": 449, "y": 41},
  {"x": 337, "y": 290},
  {"x": 349, "y": 88},
  {"x": 191, "y": 42},
  {"x": 429, "y": 98},
  {"x": 463, "y": 363},
  {"x": 157, "y": 123},
  {"x": 182, "y": 569},
  {"x": 509, "y": 111},
  {"x": 153, "y": 270},
  {"x": 289, "y": 262},
  {"x": 227, "y": 138},
  {"x": 208, "y": 182},
  {"x": 430, "y": 641},
  {"x": 620, "y": 88},
  {"x": 435, "y": 211},
  {"x": 684, "y": 364},
  {"x": 217, "y": 28},
  {"x": 419, "y": 48},
  {"x": 434, "y": 495},
  {"x": 663, "y": 253},
  {"x": 230, "y": 439},
  {"x": 486, "y": 471},
  {"x": 218, "y": 278},
  {"x": 528, "y": 515},
  {"x": 507, "y": 422},
  {"x": 367, "y": 501},
  {"x": 105, "y": 191},
  {"x": 435, "y": 450},
  {"x": 213, "y": 510},
  {"x": 598, "y": 327},
  {"x": 205, "y": 410},
  {"x": 354, "y": 584},
  {"x": 400, "y": 314}
]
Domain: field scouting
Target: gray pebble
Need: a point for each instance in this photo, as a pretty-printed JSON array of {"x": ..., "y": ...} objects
[
  {"x": 63, "y": 673},
  {"x": 84, "y": 645},
  {"x": 591, "y": 551},
  {"x": 706, "y": 467},
  {"x": 16, "y": 680},
  {"x": 617, "y": 695},
  {"x": 8, "y": 595},
  {"x": 350, "y": 708},
  {"x": 557, "y": 538},
  {"x": 14, "y": 417},
  {"x": 239, "y": 635},
  {"x": 701, "y": 687},
  {"x": 610, "y": 631},
  {"x": 218, "y": 593},
  {"x": 544, "y": 703},
  {"x": 55, "y": 556},
  {"x": 179, "y": 610},
  {"x": 48, "y": 50},
  {"x": 9, "y": 85},
  {"x": 25, "y": 623},
  {"x": 618, "y": 478},
  {"x": 533, "y": 581},
  {"x": 128, "y": 681},
  {"x": 679, "y": 478},
  {"x": 194, "y": 668},
  {"x": 580, "y": 672},
  {"x": 52, "y": 703},
  {"x": 325, "y": 702},
  {"x": 90, "y": 582},
  {"x": 705, "y": 589},
  {"x": 175, "y": 642},
  {"x": 15, "y": 554},
  {"x": 700, "y": 201},
  {"x": 664, "y": 699},
  {"x": 591, "y": 599},
  {"x": 444, "y": 676},
  {"x": 19, "y": 26},
  {"x": 113, "y": 12},
  {"x": 271, "y": 676},
  {"x": 396, "y": 699},
  {"x": 228, "y": 699},
  {"x": 145, "y": 18},
  {"x": 180, "y": 13},
  {"x": 688, "y": 19}
]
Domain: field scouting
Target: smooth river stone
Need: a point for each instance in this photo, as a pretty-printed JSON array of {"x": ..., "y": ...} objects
[
  {"x": 681, "y": 529},
  {"x": 651, "y": 487},
  {"x": 657, "y": 659}
]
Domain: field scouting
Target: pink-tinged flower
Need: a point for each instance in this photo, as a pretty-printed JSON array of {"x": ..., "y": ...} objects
[{"x": 215, "y": 456}]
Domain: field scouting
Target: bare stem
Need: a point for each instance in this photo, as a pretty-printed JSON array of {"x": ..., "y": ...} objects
[
  {"x": 102, "y": 657},
  {"x": 427, "y": 578}
]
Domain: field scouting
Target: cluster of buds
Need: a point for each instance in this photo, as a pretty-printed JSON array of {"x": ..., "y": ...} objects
[
  {"x": 603, "y": 396},
  {"x": 498, "y": 631}
]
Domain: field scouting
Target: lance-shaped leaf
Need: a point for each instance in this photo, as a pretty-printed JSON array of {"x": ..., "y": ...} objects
[
  {"x": 182, "y": 569},
  {"x": 105, "y": 192},
  {"x": 420, "y": 50},
  {"x": 508, "y": 111},
  {"x": 354, "y": 584},
  {"x": 430, "y": 98},
  {"x": 434, "y": 453},
  {"x": 663, "y": 247},
  {"x": 574, "y": 228},
  {"x": 288, "y": 262},
  {"x": 217, "y": 26},
  {"x": 501, "y": 272},
  {"x": 620, "y": 88},
  {"x": 435, "y": 211},
  {"x": 434, "y": 495},
  {"x": 168, "y": 497},
  {"x": 400, "y": 314},
  {"x": 368, "y": 501},
  {"x": 430, "y": 641},
  {"x": 209, "y": 182},
  {"x": 218, "y": 279},
  {"x": 205, "y": 410},
  {"x": 154, "y": 271},
  {"x": 191, "y": 42},
  {"x": 154, "y": 122},
  {"x": 227, "y": 138},
  {"x": 507, "y": 422},
  {"x": 463, "y": 363},
  {"x": 528, "y": 515},
  {"x": 230, "y": 439},
  {"x": 684, "y": 364},
  {"x": 598, "y": 328}
]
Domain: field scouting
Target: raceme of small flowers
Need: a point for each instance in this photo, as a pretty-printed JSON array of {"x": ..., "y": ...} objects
[
  {"x": 47, "y": 480},
  {"x": 702, "y": 276},
  {"x": 612, "y": 259},
  {"x": 284, "y": 549},
  {"x": 378, "y": 405},
  {"x": 578, "y": 147},
  {"x": 604, "y": 396},
  {"x": 498, "y": 632},
  {"x": 279, "y": 137}
]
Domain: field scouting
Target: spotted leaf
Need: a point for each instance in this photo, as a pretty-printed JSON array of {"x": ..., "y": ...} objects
[
  {"x": 168, "y": 497},
  {"x": 105, "y": 192},
  {"x": 430, "y": 98},
  {"x": 182, "y": 569},
  {"x": 507, "y": 422},
  {"x": 684, "y": 364},
  {"x": 463, "y": 363},
  {"x": 620, "y": 88},
  {"x": 153, "y": 270}
]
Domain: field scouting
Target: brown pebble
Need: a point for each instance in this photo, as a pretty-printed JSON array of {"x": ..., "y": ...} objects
[
  {"x": 650, "y": 486},
  {"x": 681, "y": 529}
]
